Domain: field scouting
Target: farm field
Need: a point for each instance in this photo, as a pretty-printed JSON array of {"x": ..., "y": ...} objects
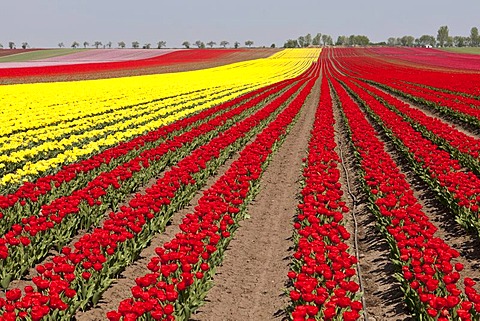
[{"x": 294, "y": 184}]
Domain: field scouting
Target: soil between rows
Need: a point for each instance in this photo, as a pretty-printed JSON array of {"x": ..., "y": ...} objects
[{"x": 250, "y": 285}]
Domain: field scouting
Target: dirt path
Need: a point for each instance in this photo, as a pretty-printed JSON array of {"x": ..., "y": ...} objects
[
  {"x": 383, "y": 296},
  {"x": 251, "y": 282},
  {"x": 121, "y": 287}
]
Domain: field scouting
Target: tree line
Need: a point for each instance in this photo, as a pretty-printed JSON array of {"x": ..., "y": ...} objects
[
  {"x": 443, "y": 39},
  {"x": 326, "y": 40},
  {"x": 136, "y": 45}
]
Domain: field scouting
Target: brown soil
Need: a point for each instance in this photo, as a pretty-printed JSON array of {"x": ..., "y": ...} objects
[
  {"x": 228, "y": 59},
  {"x": 382, "y": 293},
  {"x": 121, "y": 288},
  {"x": 250, "y": 285}
]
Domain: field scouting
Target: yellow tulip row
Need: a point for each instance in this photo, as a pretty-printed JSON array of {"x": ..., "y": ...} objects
[{"x": 49, "y": 124}]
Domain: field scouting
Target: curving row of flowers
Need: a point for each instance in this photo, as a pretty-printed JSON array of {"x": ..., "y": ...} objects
[
  {"x": 464, "y": 147},
  {"x": 27, "y": 199},
  {"x": 182, "y": 270},
  {"x": 77, "y": 277},
  {"x": 92, "y": 104},
  {"x": 427, "y": 270},
  {"x": 323, "y": 271},
  {"x": 30, "y": 240},
  {"x": 458, "y": 188}
]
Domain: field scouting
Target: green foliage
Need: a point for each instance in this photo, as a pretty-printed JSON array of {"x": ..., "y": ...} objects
[
  {"x": 291, "y": 43},
  {"x": 442, "y": 36}
]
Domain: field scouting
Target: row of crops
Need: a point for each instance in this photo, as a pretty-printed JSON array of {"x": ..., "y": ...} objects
[{"x": 91, "y": 171}]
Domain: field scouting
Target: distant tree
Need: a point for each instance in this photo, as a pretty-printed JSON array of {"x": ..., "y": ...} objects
[
  {"x": 442, "y": 36},
  {"x": 272, "y": 45},
  {"x": 324, "y": 39},
  {"x": 391, "y": 41},
  {"x": 200, "y": 44},
  {"x": 407, "y": 41},
  {"x": 1, "y": 46},
  {"x": 211, "y": 44},
  {"x": 24, "y": 45},
  {"x": 308, "y": 40},
  {"x": 109, "y": 44},
  {"x": 291, "y": 43},
  {"x": 301, "y": 41},
  {"x": 236, "y": 44},
  {"x": 86, "y": 44},
  {"x": 329, "y": 40},
  {"x": 460, "y": 41},
  {"x": 449, "y": 42},
  {"x": 474, "y": 37},
  {"x": 341, "y": 41},
  {"x": 224, "y": 43},
  {"x": 75, "y": 45},
  {"x": 248, "y": 43},
  {"x": 186, "y": 44},
  {"x": 97, "y": 44},
  {"x": 61, "y": 45},
  {"x": 122, "y": 44},
  {"x": 11, "y": 44},
  {"x": 316, "y": 40},
  {"x": 417, "y": 42},
  {"x": 147, "y": 46},
  {"x": 135, "y": 44},
  {"x": 161, "y": 44},
  {"x": 427, "y": 40}
]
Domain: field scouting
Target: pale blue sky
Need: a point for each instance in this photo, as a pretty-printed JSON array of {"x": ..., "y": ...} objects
[{"x": 45, "y": 23}]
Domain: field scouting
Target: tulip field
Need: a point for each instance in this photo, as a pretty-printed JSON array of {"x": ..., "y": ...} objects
[{"x": 131, "y": 183}]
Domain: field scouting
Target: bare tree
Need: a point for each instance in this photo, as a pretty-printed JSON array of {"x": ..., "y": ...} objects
[
  {"x": 86, "y": 44},
  {"x": 1, "y": 46},
  {"x": 224, "y": 43},
  {"x": 61, "y": 45},
  {"x": 75, "y": 45},
  {"x": 248, "y": 43},
  {"x": 109, "y": 44},
  {"x": 200, "y": 44},
  {"x": 11, "y": 45},
  {"x": 121, "y": 44},
  {"x": 97, "y": 44},
  {"x": 136, "y": 44},
  {"x": 211, "y": 44},
  {"x": 161, "y": 44},
  {"x": 25, "y": 45},
  {"x": 186, "y": 44}
]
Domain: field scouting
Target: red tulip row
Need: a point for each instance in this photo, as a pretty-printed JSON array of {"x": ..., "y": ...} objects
[
  {"x": 151, "y": 114},
  {"x": 175, "y": 57},
  {"x": 182, "y": 271},
  {"x": 323, "y": 271},
  {"x": 361, "y": 62},
  {"x": 462, "y": 146},
  {"x": 458, "y": 188},
  {"x": 397, "y": 79},
  {"x": 77, "y": 277},
  {"x": 429, "y": 274},
  {"x": 30, "y": 240},
  {"x": 27, "y": 199},
  {"x": 459, "y": 110}
]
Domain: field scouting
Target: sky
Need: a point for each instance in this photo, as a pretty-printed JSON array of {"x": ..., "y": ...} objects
[{"x": 45, "y": 23}]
